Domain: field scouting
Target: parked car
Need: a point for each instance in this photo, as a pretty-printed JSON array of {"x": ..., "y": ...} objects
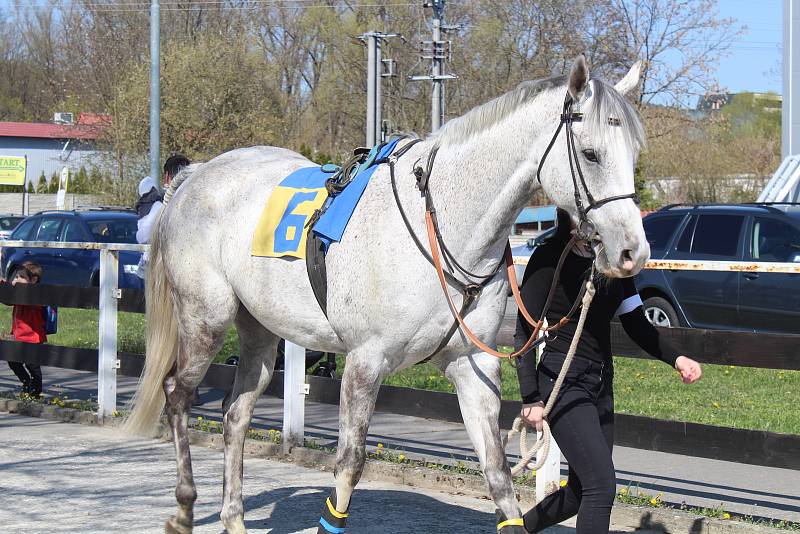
[
  {"x": 75, "y": 267},
  {"x": 8, "y": 223},
  {"x": 760, "y": 302}
]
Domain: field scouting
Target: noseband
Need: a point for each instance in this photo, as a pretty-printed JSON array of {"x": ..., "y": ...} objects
[{"x": 586, "y": 229}]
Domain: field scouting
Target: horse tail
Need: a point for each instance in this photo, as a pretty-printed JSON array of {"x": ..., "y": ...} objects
[{"x": 161, "y": 345}]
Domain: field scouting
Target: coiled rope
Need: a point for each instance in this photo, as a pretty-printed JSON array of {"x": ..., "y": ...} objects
[{"x": 520, "y": 426}]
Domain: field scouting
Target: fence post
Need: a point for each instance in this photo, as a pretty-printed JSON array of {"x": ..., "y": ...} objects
[
  {"x": 107, "y": 353},
  {"x": 294, "y": 395}
]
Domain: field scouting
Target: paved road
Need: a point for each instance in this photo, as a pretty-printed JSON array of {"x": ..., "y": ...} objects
[
  {"x": 59, "y": 477},
  {"x": 701, "y": 482}
]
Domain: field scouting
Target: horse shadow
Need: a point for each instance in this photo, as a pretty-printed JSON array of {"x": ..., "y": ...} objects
[{"x": 292, "y": 510}]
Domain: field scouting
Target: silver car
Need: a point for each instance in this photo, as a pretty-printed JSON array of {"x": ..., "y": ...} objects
[{"x": 8, "y": 223}]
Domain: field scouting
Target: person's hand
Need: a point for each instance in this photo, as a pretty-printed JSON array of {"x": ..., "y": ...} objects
[
  {"x": 533, "y": 414},
  {"x": 689, "y": 369}
]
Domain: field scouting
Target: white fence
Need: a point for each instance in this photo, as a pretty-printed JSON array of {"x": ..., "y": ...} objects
[{"x": 295, "y": 386}]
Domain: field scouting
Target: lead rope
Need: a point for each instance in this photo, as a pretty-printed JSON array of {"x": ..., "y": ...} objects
[{"x": 520, "y": 426}]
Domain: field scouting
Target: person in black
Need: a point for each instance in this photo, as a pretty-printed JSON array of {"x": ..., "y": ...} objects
[{"x": 582, "y": 418}]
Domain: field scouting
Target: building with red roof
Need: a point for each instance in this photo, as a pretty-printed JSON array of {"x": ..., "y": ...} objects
[{"x": 51, "y": 146}]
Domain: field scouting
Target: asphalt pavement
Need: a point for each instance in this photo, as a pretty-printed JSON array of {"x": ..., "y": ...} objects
[{"x": 699, "y": 482}]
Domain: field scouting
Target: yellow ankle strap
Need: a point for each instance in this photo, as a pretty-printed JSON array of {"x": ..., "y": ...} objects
[{"x": 516, "y": 522}]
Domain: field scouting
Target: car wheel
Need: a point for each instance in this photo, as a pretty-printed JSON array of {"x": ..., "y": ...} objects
[{"x": 660, "y": 312}]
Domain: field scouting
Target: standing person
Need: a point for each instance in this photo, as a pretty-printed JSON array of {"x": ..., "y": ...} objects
[
  {"x": 582, "y": 418},
  {"x": 28, "y": 325},
  {"x": 150, "y": 202}
]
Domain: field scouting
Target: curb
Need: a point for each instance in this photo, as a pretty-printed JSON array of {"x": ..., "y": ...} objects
[{"x": 665, "y": 520}]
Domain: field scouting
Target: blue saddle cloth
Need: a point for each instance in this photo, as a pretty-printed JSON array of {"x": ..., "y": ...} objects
[{"x": 332, "y": 224}]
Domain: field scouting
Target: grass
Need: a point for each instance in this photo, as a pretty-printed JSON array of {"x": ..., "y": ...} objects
[{"x": 740, "y": 397}]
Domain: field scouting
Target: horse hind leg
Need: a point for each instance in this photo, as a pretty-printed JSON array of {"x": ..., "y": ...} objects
[
  {"x": 362, "y": 378},
  {"x": 476, "y": 378},
  {"x": 199, "y": 341},
  {"x": 258, "y": 348}
]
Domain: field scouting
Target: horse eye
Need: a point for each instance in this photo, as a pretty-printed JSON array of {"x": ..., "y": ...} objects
[{"x": 591, "y": 155}]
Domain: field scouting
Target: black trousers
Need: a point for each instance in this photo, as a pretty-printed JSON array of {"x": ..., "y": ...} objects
[
  {"x": 30, "y": 375},
  {"x": 582, "y": 423}
]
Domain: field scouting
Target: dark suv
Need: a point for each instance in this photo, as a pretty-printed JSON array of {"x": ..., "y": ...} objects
[
  {"x": 75, "y": 267},
  {"x": 763, "y": 302}
]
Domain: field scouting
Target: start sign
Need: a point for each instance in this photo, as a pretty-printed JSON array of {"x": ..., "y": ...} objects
[{"x": 12, "y": 170}]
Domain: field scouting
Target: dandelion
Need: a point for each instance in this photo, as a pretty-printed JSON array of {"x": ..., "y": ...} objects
[
  {"x": 199, "y": 417},
  {"x": 654, "y": 501},
  {"x": 715, "y": 404},
  {"x": 380, "y": 445},
  {"x": 563, "y": 483},
  {"x": 726, "y": 515},
  {"x": 623, "y": 491},
  {"x": 402, "y": 457}
]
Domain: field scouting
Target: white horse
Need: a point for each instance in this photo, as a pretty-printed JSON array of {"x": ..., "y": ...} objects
[{"x": 386, "y": 310}]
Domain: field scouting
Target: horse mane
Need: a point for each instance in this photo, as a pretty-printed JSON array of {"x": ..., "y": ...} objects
[
  {"x": 606, "y": 103},
  {"x": 487, "y": 115}
]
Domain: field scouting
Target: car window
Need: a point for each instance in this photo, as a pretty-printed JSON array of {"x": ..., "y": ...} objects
[
  {"x": 49, "y": 230},
  {"x": 685, "y": 242},
  {"x": 114, "y": 230},
  {"x": 9, "y": 223},
  {"x": 717, "y": 235},
  {"x": 25, "y": 230},
  {"x": 659, "y": 230},
  {"x": 774, "y": 240},
  {"x": 73, "y": 231}
]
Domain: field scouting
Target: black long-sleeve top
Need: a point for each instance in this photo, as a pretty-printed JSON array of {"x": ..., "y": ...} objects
[{"x": 614, "y": 297}]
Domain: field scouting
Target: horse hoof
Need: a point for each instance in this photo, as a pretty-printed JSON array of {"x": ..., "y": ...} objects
[
  {"x": 173, "y": 526},
  {"x": 235, "y": 526}
]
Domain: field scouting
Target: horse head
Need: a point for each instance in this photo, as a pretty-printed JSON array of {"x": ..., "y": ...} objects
[{"x": 597, "y": 144}]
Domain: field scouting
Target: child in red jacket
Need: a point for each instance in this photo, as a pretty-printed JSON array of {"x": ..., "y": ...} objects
[{"x": 28, "y": 325}]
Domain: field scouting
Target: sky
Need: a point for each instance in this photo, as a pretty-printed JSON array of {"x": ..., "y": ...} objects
[{"x": 754, "y": 62}]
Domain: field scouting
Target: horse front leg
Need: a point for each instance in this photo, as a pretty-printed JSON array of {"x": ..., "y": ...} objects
[
  {"x": 476, "y": 378},
  {"x": 363, "y": 374}
]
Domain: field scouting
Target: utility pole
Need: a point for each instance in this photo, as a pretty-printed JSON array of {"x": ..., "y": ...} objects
[
  {"x": 155, "y": 91},
  {"x": 437, "y": 50},
  {"x": 377, "y": 69}
]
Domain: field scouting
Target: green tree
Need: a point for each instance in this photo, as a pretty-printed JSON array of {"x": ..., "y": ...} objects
[
  {"x": 30, "y": 188},
  {"x": 41, "y": 186},
  {"x": 52, "y": 187},
  {"x": 79, "y": 182}
]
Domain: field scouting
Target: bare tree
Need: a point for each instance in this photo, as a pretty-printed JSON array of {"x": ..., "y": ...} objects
[{"x": 680, "y": 41}]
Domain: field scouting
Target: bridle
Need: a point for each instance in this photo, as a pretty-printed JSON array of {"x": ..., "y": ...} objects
[
  {"x": 475, "y": 283},
  {"x": 586, "y": 229}
]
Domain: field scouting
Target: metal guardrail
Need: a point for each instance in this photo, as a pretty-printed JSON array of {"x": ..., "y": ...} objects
[
  {"x": 74, "y": 245},
  {"x": 710, "y": 265}
]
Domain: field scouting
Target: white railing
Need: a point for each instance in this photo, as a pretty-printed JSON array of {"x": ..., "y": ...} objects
[
  {"x": 711, "y": 265},
  {"x": 294, "y": 386}
]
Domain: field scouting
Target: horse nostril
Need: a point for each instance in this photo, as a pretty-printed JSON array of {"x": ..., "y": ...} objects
[{"x": 627, "y": 260}]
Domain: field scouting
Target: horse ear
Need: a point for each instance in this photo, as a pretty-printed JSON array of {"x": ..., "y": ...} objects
[
  {"x": 631, "y": 80},
  {"x": 578, "y": 77}
]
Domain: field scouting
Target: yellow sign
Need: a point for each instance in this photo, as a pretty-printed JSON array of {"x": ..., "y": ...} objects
[{"x": 12, "y": 170}]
